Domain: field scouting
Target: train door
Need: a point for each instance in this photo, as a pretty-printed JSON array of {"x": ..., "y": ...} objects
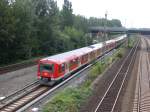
[{"x": 62, "y": 69}]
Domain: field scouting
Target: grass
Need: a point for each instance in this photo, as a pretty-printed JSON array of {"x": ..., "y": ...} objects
[
  {"x": 70, "y": 99},
  {"x": 131, "y": 41}
]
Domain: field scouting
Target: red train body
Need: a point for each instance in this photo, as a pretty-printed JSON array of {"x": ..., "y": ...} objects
[{"x": 56, "y": 67}]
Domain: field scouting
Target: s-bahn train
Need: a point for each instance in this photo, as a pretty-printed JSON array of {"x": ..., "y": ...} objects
[{"x": 56, "y": 67}]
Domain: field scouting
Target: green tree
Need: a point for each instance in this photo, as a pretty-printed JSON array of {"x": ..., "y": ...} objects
[
  {"x": 23, "y": 11},
  {"x": 37, "y": 27},
  {"x": 76, "y": 37},
  {"x": 115, "y": 23},
  {"x": 92, "y": 21},
  {"x": 7, "y": 32},
  {"x": 80, "y": 22},
  {"x": 47, "y": 24},
  {"x": 66, "y": 15}
]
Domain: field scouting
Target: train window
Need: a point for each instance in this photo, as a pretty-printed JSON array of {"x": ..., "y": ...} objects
[
  {"x": 73, "y": 62},
  {"x": 70, "y": 64},
  {"x": 47, "y": 67},
  {"x": 84, "y": 58},
  {"x": 98, "y": 52},
  {"x": 62, "y": 67},
  {"x": 76, "y": 61},
  {"x": 92, "y": 55}
]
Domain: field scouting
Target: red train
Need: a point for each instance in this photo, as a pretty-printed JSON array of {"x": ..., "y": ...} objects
[{"x": 54, "y": 68}]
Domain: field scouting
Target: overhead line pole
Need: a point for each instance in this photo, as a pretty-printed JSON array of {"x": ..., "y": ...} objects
[
  {"x": 105, "y": 36},
  {"x": 105, "y": 25}
]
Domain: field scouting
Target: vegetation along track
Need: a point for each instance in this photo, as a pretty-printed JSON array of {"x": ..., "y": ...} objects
[
  {"x": 34, "y": 95},
  {"x": 109, "y": 100},
  {"x": 29, "y": 93}
]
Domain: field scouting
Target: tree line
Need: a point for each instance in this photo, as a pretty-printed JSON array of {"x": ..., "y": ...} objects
[{"x": 31, "y": 28}]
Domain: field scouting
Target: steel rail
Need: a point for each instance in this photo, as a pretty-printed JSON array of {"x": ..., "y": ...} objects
[
  {"x": 46, "y": 94},
  {"x": 144, "y": 106},
  {"x": 12, "y": 97},
  {"x": 30, "y": 92},
  {"x": 113, "y": 80},
  {"x": 17, "y": 66},
  {"x": 142, "y": 103},
  {"x": 15, "y": 105},
  {"x": 133, "y": 57},
  {"x": 147, "y": 60},
  {"x": 33, "y": 100},
  {"x": 139, "y": 86}
]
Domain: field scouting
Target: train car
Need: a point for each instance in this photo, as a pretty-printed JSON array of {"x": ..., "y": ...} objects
[
  {"x": 54, "y": 68},
  {"x": 110, "y": 44},
  {"x": 98, "y": 49},
  {"x": 120, "y": 40}
]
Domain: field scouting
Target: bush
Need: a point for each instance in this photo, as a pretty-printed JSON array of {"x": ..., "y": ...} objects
[
  {"x": 67, "y": 101},
  {"x": 119, "y": 54}
]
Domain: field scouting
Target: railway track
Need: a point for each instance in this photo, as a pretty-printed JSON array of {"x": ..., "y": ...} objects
[
  {"x": 142, "y": 96},
  {"x": 17, "y": 66},
  {"x": 19, "y": 102},
  {"x": 139, "y": 87},
  {"x": 5, "y": 102},
  {"x": 33, "y": 93},
  {"x": 32, "y": 96},
  {"x": 110, "y": 97}
]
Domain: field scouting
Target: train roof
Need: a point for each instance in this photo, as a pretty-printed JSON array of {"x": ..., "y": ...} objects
[
  {"x": 97, "y": 46},
  {"x": 63, "y": 57},
  {"x": 60, "y": 58},
  {"x": 110, "y": 41},
  {"x": 120, "y": 37}
]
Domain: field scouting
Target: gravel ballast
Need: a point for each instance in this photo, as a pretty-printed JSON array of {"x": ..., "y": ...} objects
[
  {"x": 12, "y": 81},
  {"x": 100, "y": 85}
]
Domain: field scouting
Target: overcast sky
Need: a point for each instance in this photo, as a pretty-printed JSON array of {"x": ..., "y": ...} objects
[{"x": 132, "y": 13}]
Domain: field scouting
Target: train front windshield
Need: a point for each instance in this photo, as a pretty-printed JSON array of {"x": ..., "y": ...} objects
[{"x": 47, "y": 67}]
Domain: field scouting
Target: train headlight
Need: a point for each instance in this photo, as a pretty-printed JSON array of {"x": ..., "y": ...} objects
[{"x": 45, "y": 74}]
